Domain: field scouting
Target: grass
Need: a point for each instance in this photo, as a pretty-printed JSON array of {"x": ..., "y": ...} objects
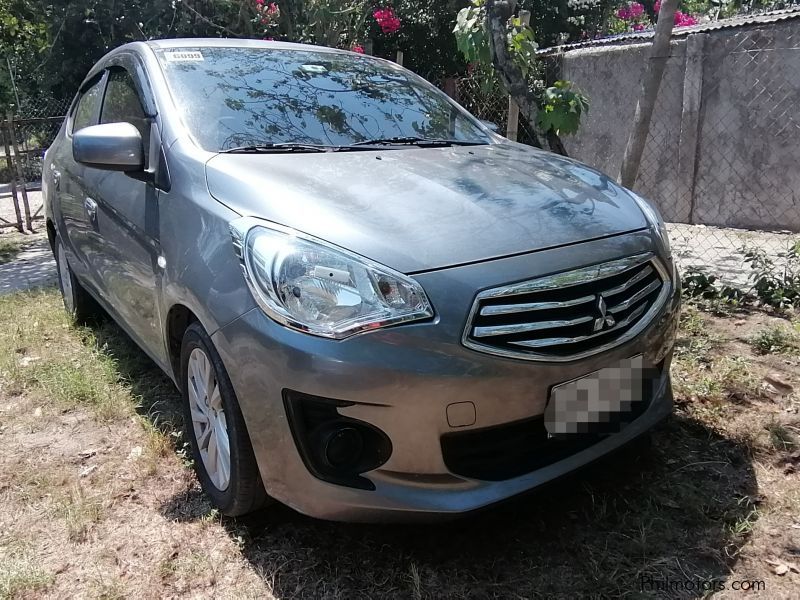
[
  {"x": 79, "y": 512},
  {"x": 21, "y": 577},
  {"x": 10, "y": 247},
  {"x": 42, "y": 353},
  {"x": 781, "y": 437},
  {"x": 101, "y": 474},
  {"x": 779, "y": 339}
]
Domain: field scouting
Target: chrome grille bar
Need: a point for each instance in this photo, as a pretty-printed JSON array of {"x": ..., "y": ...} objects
[
  {"x": 642, "y": 293},
  {"x": 644, "y": 273},
  {"x": 571, "y": 314},
  {"x": 525, "y": 327},
  {"x": 508, "y": 309},
  {"x": 574, "y": 340}
]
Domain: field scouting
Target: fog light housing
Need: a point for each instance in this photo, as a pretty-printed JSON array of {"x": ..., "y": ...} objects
[
  {"x": 343, "y": 447},
  {"x": 333, "y": 447}
]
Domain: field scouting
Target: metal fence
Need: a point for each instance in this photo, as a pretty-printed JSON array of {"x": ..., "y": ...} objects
[
  {"x": 488, "y": 102},
  {"x": 722, "y": 151},
  {"x": 26, "y": 131},
  {"x": 726, "y": 173}
]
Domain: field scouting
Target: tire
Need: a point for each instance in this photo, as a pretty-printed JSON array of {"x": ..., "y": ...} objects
[
  {"x": 78, "y": 303},
  {"x": 207, "y": 389}
]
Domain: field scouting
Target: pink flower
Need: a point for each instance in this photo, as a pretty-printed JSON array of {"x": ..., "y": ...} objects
[
  {"x": 684, "y": 20},
  {"x": 358, "y": 48},
  {"x": 630, "y": 12},
  {"x": 387, "y": 20},
  {"x": 638, "y": 26},
  {"x": 272, "y": 8},
  {"x": 260, "y": 3},
  {"x": 657, "y": 6}
]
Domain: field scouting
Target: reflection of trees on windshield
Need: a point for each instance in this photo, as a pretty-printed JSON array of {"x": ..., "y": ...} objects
[{"x": 242, "y": 96}]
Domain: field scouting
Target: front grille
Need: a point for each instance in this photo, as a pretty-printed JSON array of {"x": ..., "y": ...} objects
[{"x": 571, "y": 314}]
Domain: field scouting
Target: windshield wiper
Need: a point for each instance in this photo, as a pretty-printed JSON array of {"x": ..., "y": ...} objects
[
  {"x": 416, "y": 141},
  {"x": 280, "y": 147}
]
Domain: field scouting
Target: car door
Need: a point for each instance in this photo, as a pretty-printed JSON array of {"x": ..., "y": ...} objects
[
  {"x": 69, "y": 186},
  {"x": 124, "y": 211}
]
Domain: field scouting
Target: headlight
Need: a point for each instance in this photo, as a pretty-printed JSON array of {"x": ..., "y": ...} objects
[
  {"x": 310, "y": 285},
  {"x": 656, "y": 222}
]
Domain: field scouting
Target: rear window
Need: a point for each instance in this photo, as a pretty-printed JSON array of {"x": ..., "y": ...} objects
[{"x": 231, "y": 97}]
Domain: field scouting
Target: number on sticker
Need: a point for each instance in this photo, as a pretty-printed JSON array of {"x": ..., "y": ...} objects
[{"x": 183, "y": 56}]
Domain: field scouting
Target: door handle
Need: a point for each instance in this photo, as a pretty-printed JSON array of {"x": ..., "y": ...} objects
[
  {"x": 91, "y": 208},
  {"x": 56, "y": 177}
]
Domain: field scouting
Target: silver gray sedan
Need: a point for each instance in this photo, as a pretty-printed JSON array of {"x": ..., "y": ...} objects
[{"x": 374, "y": 306}]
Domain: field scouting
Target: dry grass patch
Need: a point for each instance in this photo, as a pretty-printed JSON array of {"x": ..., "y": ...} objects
[
  {"x": 783, "y": 339},
  {"x": 11, "y": 244},
  {"x": 80, "y": 511},
  {"x": 20, "y": 576}
]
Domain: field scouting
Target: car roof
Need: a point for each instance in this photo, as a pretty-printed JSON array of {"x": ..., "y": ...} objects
[
  {"x": 165, "y": 44},
  {"x": 235, "y": 43}
]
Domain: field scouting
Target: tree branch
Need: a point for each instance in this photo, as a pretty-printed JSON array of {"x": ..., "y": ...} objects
[{"x": 498, "y": 12}]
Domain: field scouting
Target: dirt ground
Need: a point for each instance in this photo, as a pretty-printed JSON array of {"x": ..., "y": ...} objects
[{"x": 97, "y": 498}]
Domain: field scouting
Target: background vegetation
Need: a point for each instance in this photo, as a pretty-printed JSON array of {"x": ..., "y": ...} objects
[{"x": 47, "y": 46}]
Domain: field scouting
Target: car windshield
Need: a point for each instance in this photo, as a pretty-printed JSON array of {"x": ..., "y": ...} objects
[{"x": 234, "y": 97}]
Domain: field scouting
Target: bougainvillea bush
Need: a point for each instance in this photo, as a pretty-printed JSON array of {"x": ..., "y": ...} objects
[
  {"x": 340, "y": 23},
  {"x": 633, "y": 16}
]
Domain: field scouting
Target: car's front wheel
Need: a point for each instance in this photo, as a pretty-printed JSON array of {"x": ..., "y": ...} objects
[
  {"x": 223, "y": 456},
  {"x": 80, "y": 306}
]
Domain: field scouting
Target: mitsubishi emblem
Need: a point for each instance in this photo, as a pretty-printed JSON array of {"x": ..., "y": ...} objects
[{"x": 605, "y": 320}]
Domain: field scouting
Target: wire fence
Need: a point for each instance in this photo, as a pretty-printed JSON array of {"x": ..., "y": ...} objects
[
  {"x": 488, "y": 101},
  {"x": 721, "y": 156},
  {"x": 26, "y": 131},
  {"x": 740, "y": 179}
]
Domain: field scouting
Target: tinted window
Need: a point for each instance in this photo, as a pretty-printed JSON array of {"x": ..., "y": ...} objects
[
  {"x": 236, "y": 96},
  {"x": 122, "y": 104},
  {"x": 87, "y": 106}
]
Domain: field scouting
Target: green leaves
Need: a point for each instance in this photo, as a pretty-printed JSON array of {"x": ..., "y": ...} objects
[
  {"x": 561, "y": 108},
  {"x": 472, "y": 37},
  {"x": 521, "y": 45}
]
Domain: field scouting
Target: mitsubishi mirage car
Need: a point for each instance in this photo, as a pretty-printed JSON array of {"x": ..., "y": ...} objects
[{"x": 375, "y": 307}]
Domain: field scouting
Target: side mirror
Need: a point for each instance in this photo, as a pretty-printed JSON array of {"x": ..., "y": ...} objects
[
  {"x": 112, "y": 147},
  {"x": 489, "y": 124}
]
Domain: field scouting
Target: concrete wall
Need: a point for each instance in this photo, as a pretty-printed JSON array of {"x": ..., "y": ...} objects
[{"x": 724, "y": 142}]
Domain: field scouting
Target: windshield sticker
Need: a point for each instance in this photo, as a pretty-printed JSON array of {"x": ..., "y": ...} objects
[
  {"x": 316, "y": 69},
  {"x": 183, "y": 56}
]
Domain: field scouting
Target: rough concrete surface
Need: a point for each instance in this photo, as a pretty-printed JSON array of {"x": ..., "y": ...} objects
[{"x": 725, "y": 135}]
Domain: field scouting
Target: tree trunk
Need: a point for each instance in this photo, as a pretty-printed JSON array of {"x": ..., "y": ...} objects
[
  {"x": 651, "y": 82},
  {"x": 498, "y": 12}
]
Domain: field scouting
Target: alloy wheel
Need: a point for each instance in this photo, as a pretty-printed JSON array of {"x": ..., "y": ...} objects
[{"x": 208, "y": 419}]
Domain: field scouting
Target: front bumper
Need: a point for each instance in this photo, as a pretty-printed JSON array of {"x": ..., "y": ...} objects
[{"x": 402, "y": 380}]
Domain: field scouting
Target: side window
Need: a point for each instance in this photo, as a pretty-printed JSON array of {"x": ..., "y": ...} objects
[
  {"x": 122, "y": 104},
  {"x": 87, "y": 106}
]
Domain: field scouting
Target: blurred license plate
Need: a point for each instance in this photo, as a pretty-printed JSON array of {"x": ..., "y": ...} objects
[{"x": 597, "y": 403}]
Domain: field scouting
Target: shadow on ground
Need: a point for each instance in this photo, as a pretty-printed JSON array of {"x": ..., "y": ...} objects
[
  {"x": 33, "y": 267},
  {"x": 674, "y": 514}
]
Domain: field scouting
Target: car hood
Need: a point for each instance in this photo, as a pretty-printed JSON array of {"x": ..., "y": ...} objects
[{"x": 417, "y": 209}]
